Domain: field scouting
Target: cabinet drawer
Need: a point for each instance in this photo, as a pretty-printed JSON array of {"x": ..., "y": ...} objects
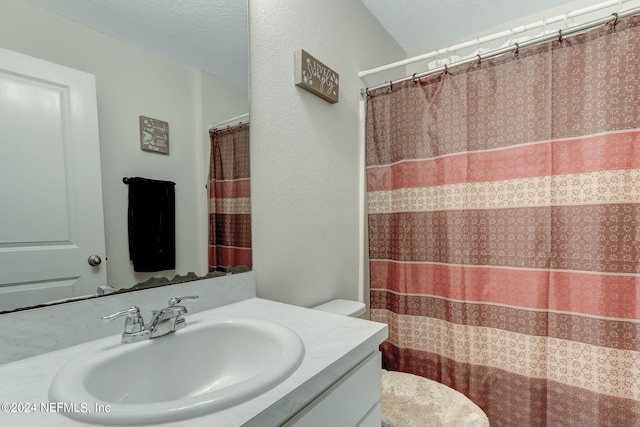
[
  {"x": 373, "y": 418},
  {"x": 348, "y": 402}
]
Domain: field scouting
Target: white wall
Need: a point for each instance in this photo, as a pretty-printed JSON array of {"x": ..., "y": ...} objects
[
  {"x": 304, "y": 151},
  {"x": 130, "y": 83}
]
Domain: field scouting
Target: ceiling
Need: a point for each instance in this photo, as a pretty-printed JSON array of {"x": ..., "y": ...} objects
[
  {"x": 209, "y": 35},
  {"x": 212, "y": 34},
  {"x": 420, "y": 26}
]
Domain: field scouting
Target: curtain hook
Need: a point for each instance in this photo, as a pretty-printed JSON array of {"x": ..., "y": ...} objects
[
  {"x": 517, "y": 51},
  {"x": 560, "y": 35},
  {"x": 479, "y": 60},
  {"x": 615, "y": 22},
  {"x": 390, "y": 84},
  {"x": 414, "y": 78}
]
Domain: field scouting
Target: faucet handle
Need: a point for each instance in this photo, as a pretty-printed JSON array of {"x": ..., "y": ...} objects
[
  {"x": 177, "y": 300},
  {"x": 134, "y": 322}
]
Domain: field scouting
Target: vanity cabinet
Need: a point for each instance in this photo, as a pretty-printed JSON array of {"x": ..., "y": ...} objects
[
  {"x": 337, "y": 382},
  {"x": 353, "y": 400}
]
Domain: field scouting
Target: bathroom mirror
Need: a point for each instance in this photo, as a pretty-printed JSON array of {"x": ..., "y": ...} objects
[{"x": 186, "y": 65}]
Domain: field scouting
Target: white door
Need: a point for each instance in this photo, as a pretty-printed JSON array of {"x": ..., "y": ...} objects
[{"x": 51, "y": 218}]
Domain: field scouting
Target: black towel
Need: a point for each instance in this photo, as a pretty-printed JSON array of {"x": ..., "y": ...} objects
[{"x": 152, "y": 224}]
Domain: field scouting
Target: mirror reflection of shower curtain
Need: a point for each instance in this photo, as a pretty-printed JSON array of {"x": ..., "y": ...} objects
[{"x": 229, "y": 199}]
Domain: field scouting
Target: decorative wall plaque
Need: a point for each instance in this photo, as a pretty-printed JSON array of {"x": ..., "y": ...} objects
[
  {"x": 154, "y": 135},
  {"x": 315, "y": 77}
]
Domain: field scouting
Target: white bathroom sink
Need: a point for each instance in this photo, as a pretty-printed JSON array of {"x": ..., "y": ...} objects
[{"x": 203, "y": 368}]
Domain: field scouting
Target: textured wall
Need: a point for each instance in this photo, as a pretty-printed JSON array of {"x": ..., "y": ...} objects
[{"x": 305, "y": 175}]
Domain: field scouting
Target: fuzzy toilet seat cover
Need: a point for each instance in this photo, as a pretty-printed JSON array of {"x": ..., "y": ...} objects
[{"x": 412, "y": 401}]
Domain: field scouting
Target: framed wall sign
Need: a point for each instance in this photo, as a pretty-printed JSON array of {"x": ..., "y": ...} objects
[
  {"x": 154, "y": 135},
  {"x": 315, "y": 77}
]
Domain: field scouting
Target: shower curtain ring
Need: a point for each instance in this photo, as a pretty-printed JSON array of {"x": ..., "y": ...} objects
[
  {"x": 560, "y": 35},
  {"x": 479, "y": 60},
  {"x": 446, "y": 70},
  {"x": 414, "y": 78},
  {"x": 516, "y": 52},
  {"x": 390, "y": 85},
  {"x": 615, "y": 22}
]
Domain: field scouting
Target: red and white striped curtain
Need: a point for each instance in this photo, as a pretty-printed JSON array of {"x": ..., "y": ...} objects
[
  {"x": 504, "y": 229},
  {"x": 229, "y": 199}
]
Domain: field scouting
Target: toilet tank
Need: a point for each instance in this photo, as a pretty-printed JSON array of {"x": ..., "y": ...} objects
[{"x": 343, "y": 307}]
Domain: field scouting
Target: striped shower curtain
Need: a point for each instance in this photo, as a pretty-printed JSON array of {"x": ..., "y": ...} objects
[
  {"x": 504, "y": 229},
  {"x": 229, "y": 199}
]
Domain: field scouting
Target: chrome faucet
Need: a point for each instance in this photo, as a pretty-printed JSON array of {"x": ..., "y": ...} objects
[
  {"x": 164, "y": 321},
  {"x": 168, "y": 319},
  {"x": 134, "y": 329}
]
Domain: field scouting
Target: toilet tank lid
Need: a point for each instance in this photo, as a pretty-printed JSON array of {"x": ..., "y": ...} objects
[{"x": 343, "y": 307}]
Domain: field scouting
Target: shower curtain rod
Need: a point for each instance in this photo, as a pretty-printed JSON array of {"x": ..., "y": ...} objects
[
  {"x": 495, "y": 36},
  {"x": 232, "y": 122},
  {"x": 500, "y": 51}
]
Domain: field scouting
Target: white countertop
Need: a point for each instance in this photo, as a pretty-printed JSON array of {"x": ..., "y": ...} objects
[{"x": 333, "y": 345}]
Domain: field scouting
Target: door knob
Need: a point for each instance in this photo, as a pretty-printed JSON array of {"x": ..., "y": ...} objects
[{"x": 94, "y": 260}]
